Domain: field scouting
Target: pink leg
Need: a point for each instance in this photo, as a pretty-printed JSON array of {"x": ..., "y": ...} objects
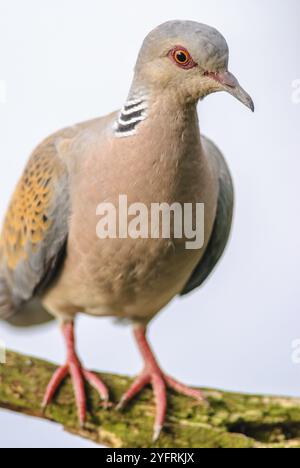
[
  {"x": 78, "y": 375},
  {"x": 159, "y": 381}
]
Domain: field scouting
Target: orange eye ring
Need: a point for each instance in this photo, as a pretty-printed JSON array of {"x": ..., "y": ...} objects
[{"x": 182, "y": 58}]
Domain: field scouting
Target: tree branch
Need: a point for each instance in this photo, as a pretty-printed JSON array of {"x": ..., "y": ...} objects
[{"x": 229, "y": 420}]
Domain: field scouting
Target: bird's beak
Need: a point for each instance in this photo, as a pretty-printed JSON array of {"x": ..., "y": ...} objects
[{"x": 231, "y": 85}]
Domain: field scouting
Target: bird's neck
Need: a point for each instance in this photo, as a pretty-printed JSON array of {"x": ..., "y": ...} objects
[
  {"x": 134, "y": 111},
  {"x": 163, "y": 109}
]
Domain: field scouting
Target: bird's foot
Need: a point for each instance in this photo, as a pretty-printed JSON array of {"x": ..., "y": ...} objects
[
  {"x": 79, "y": 375},
  {"x": 159, "y": 383},
  {"x": 153, "y": 375}
]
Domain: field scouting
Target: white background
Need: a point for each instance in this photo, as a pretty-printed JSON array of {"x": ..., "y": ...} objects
[{"x": 64, "y": 61}]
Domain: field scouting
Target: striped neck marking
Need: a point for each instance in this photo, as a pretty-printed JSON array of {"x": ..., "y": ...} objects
[{"x": 132, "y": 114}]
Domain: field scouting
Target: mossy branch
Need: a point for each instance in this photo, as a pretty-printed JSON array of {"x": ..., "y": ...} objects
[{"x": 229, "y": 420}]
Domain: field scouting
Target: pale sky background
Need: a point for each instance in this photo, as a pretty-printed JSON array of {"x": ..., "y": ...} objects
[{"x": 65, "y": 61}]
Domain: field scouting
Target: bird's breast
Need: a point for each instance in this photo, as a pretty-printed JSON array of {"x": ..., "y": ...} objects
[{"x": 128, "y": 275}]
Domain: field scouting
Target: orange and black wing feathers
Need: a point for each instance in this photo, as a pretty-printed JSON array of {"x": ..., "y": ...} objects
[{"x": 36, "y": 224}]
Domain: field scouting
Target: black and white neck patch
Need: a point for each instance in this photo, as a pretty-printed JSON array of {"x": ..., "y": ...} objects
[{"x": 132, "y": 114}]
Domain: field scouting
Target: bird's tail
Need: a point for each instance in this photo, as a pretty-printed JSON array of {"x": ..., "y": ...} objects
[{"x": 21, "y": 314}]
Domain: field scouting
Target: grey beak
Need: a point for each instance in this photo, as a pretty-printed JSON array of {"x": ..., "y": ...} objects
[{"x": 231, "y": 85}]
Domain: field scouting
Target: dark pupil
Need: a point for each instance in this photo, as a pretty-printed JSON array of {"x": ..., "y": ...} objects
[{"x": 181, "y": 57}]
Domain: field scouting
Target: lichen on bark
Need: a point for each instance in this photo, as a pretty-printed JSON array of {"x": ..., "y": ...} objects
[{"x": 228, "y": 420}]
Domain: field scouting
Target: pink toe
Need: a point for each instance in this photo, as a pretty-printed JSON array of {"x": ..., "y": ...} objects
[
  {"x": 78, "y": 384},
  {"x": 136, "y": 388},
  {"x": 95, "y": 382},
  {"x": 160, "y": 393},
  {"x": 53, "y": 385},
  {"x": 183, "y": 389}
]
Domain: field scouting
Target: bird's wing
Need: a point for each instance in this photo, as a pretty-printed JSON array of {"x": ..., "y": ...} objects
[
  {"x": 35, "y": 229},
  {"x": 222, "y": 226}
]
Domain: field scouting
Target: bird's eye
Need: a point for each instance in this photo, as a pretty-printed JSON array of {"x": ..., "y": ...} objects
[{"x": 182, "y": 58}]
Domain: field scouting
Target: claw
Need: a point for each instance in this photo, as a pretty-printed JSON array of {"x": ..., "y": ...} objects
[
  {"x": 121, "y": 405},
  {"x": 156, "y": 433}
]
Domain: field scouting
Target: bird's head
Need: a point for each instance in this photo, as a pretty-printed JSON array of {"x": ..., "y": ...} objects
[{"x": 189, "y": 58}]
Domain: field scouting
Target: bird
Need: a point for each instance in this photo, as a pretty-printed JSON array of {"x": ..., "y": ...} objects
[{"x": 152, "y": 150}]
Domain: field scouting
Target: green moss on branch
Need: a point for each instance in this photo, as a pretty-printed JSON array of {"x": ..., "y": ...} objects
[{"x": 229, "y": 420}]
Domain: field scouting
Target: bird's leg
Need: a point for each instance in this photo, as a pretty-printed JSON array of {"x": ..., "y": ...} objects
[
  {"x": 152, "y": 374},
  {"x": 78, "y": 375}
]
